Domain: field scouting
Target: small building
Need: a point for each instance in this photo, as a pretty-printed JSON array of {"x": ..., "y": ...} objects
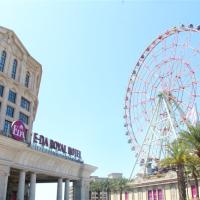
[{"x": 115, "y": 175}]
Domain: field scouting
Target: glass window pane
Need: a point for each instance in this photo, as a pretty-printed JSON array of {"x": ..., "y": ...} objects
[
  {"x": 126, "y": 195},
  {"x": 194, "y": 191},
  {"x": 25, "y": 104},
  {"x": 7, "y": 127},
  {"x": 1, "y": 90},
  {"x": 27, "y": 78},
  {"x": 150, "y": 195},
  {"x": 12, "y": 96},
  {"x": 14, "y": 69},
  {"x": 24, "y": 118},
  {"x": 2, "y": 61},
  {"x": 154, "y": 194},
  {"x": 10, "y": 111},
  {"x": 160, "y": 194}
]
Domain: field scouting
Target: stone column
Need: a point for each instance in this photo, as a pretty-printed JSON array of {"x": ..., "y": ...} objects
[
  {"x": 59, "y": 189},
  {"x": 81, "y": 189},
  {"x": 66, "y": 193},
  {"x": 77, "y": 190},
  {"x": 32, "y": 186},
  {"x": 4, "y": 173},
  {"x": 21, "y": 185},
  {"x": 85, "y": 188}
]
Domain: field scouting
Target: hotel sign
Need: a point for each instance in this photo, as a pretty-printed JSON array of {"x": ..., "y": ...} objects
[
  {"x": 56, "y": 146},
  {"x": 18, "y": 131}
]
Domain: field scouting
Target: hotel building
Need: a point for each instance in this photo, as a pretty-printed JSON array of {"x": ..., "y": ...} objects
[{"x": 28, "y": 158}]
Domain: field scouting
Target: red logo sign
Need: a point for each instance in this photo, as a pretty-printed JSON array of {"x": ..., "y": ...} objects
[{"x": 18, "y": 130}]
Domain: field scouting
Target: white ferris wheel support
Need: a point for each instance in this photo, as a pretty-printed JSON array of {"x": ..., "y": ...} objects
[{"x": 153, "y": 136}]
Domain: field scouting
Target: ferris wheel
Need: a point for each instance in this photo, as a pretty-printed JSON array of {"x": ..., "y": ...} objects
[{"x": 162, "y": 93}]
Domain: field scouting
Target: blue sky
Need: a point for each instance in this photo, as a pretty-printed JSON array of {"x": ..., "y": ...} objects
[{"x": 88, "y": 50}]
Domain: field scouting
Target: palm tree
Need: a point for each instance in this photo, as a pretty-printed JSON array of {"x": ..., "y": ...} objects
[
  {"x": 92, "y": 188},
  {"x": 107, "y": 185},
  {"x": 177, "y": 159},
  {"x": 193, "y": 168},
  {"x": 114, "y": 185},
  {"x": 100, "y": 188},
  {"x": 119, "y": 184},
  {"x": 192, "y": 138},
  {"x": 97, "y": 187}
]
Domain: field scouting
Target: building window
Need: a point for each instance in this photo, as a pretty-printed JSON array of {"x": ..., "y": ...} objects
[
  {"x": 10, "y": 111},
  {"x": 24, "y": 118},
  {"x": 194, "y": 191},
  {"x": 160, "y": 194},
  {"x": 126, "y": 195},
  {"x": 1, "y": 90},
  {"x": 150, "y": 195},
  {"x": 2, "y": 61},
  {"x": 14, "y": 69},
  {"x": 155, "y": 194},
  {"x": 25, "y": 104},
  {"x": 7, "y": 127},
  {"x": 27, "y": 79},
  {"x": 12, "y": 96}
]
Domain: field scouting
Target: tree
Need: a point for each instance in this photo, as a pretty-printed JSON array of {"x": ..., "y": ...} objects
[
  {"x": 119, "y": 184},
  {"x": 193, "y": 167},
  {"x": 114, "y": 185},
  {"x": 92, "y": 189},
  {"x": 192, "y": 138},
  {"x": 107, "y": 185},
  {"x": 97, "y": 187},
  {"x": 177, "y": 158}
]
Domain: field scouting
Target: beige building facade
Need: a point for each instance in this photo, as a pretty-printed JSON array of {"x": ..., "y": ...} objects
[
  {"x": 156, "y": 188},
  {"x": 20, "y": 76},
  {"x": 28, "y": 158}
]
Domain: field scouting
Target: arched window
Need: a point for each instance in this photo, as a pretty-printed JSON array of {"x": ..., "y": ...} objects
[
  {"x": 2, "y": 61},
  {"x": 14, "y": 69},
  {"x": 27, "y": 79}
]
